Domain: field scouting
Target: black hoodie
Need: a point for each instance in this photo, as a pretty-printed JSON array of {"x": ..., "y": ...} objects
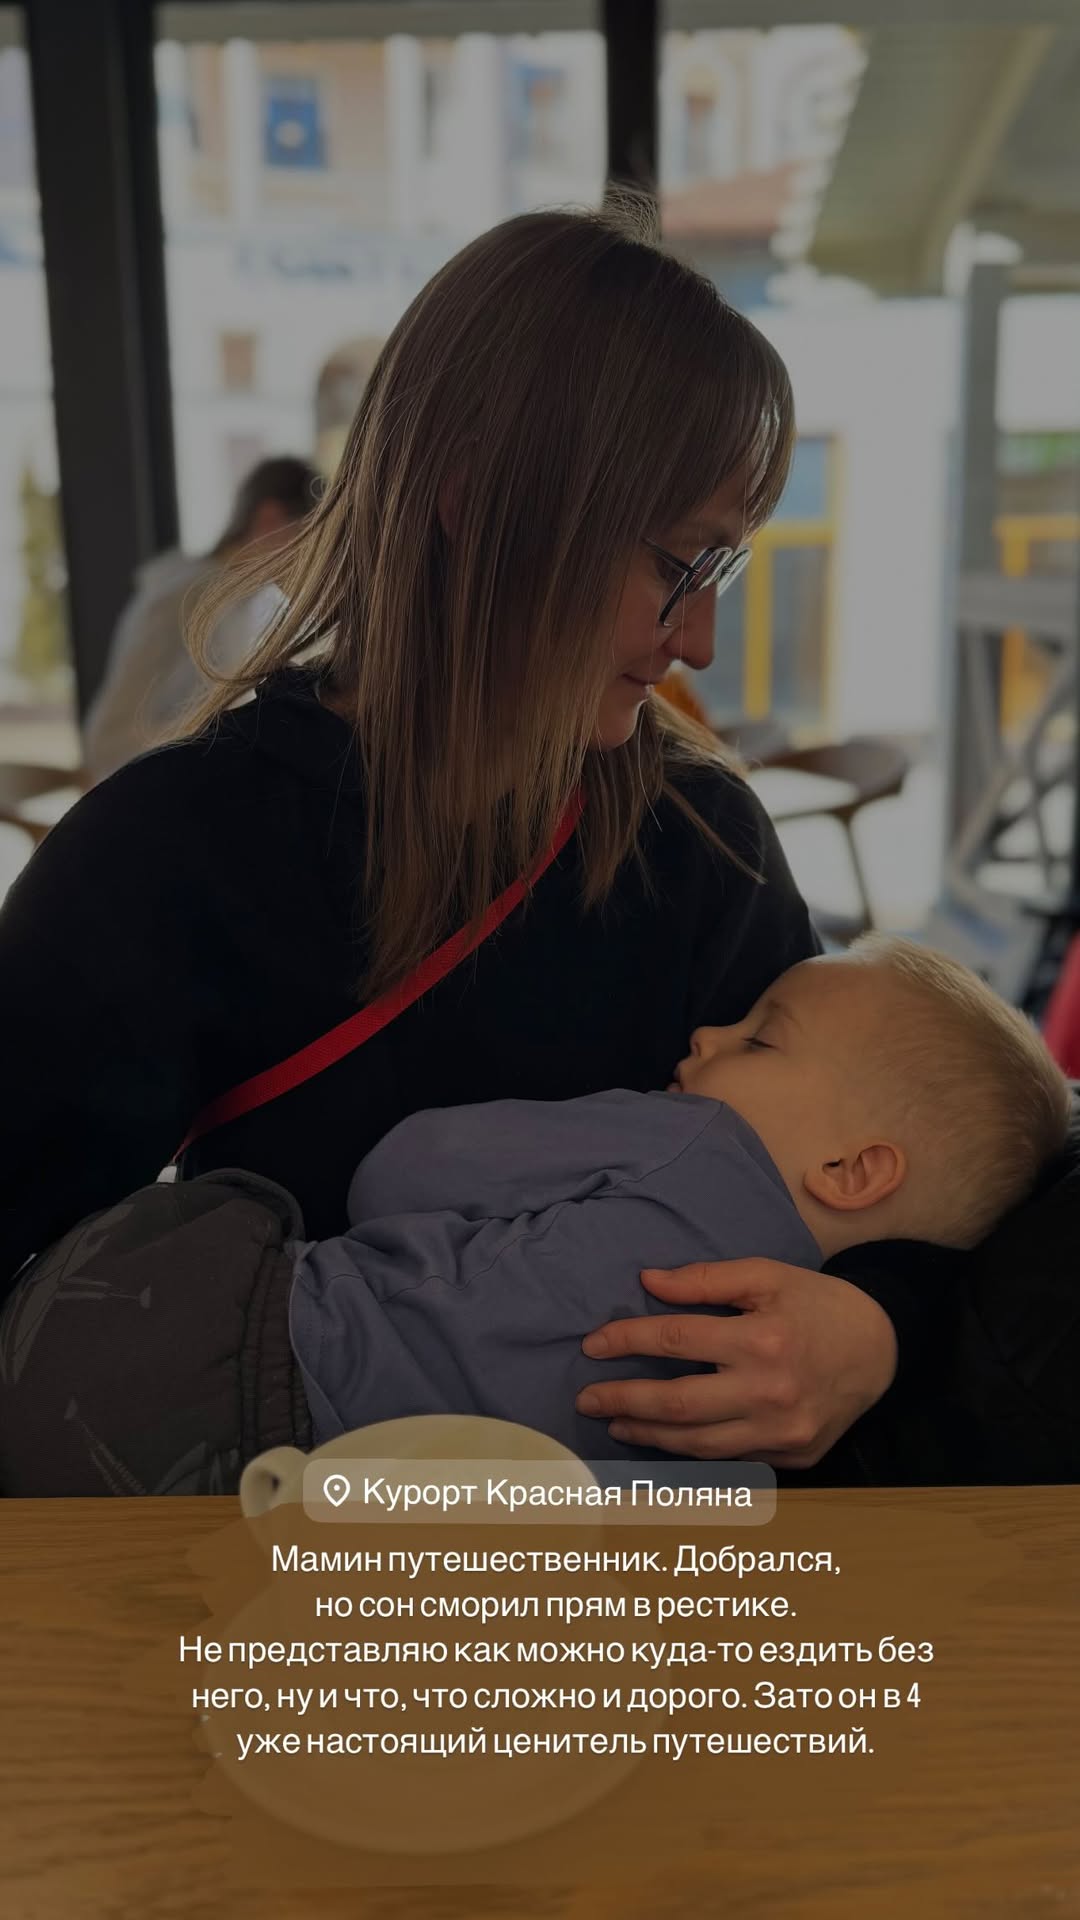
[{"x": 194, "y": 921}]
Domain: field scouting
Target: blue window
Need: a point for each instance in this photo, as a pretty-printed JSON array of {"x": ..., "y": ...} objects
[
  {"x": 806, "y": 496},
  {"x": 294, "y": 134}
]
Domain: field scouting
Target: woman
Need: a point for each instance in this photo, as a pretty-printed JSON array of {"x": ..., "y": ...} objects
[{"x": 564, "y": 447}]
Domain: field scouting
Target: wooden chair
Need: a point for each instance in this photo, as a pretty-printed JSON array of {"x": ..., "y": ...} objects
[
  {"x": 757, "y": 743},
  {"x": 22, "y": 783},
  {"x": 870, "y": 769}
]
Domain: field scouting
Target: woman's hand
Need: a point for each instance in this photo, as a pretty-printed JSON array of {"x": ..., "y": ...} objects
[{"x": 807, "y": 1355}]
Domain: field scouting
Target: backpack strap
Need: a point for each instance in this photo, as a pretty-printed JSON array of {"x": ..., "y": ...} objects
[{"x": 361, "y": 1026}]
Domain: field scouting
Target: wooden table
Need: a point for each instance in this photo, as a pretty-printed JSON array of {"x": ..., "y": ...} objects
[{"x": 98, "y": 1820}]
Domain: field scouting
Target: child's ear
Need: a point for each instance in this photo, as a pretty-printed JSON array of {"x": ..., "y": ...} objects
[{"x": 857, "y": 1180}]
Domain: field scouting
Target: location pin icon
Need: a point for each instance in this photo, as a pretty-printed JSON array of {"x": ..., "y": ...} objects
[{"x": 336, "y": 1488}]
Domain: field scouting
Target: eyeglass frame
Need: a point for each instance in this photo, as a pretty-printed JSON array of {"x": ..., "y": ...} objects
[{"x": 728, "y": 561}]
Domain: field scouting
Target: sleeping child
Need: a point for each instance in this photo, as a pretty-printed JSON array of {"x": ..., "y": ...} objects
[{"x": 885, "y": 1093}]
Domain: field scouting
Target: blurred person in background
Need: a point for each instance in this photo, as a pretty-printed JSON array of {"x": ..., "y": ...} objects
[{"x": 151, "y": 679}]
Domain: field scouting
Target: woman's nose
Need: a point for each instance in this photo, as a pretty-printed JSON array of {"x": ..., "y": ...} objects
[{"x": 692, "y": 636}]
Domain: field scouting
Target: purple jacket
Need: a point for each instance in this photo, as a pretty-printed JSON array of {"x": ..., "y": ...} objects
[{"x": 486, "y": 1241}]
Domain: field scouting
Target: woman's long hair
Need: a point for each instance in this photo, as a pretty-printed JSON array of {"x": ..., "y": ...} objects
[{"x": 558, "y": 391}]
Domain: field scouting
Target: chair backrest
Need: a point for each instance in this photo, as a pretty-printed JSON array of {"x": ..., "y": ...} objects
[
  {"x": 875, "y": 768},
  {"x": 22, "y": 782}
]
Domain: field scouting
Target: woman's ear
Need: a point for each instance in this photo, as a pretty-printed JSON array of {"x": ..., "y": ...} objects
[{"x": 859, "y": 1180}]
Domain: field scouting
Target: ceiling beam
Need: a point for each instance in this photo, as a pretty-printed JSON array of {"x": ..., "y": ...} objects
[
  {"x": 309, "y": 20},
  {"x": 1049, "y": 241},
  {"x": 691, "y": 15},
  {"x": 1021, "y": 61}
]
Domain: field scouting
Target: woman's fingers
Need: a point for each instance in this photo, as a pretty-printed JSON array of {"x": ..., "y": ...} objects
[
  {"x": 791, "y": 1372},
  {"x": 719, "y": 1283},
  {"x": 715, "y": 1416},
  {"x": 686, "y": 1401},
  {"x": 752, "y": 1285},
  {"x": 674, "y": 1336}
]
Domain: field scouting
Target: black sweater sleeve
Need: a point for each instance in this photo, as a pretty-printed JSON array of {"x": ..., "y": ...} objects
[
  {"x": 99, "y": 1059},
  {"x": 916, "y": 1284}
]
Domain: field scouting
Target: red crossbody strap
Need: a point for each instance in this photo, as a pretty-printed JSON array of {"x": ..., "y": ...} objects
[{"x": 359, "y": 1027}]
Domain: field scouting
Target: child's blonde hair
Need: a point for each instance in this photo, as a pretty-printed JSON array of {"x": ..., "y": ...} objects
[{"x": 983, "y": 1106}]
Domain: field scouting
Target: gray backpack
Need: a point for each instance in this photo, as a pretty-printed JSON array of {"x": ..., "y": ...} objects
[{"x": 147, "y": 1351}]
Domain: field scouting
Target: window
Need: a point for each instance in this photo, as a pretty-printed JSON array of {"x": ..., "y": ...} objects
[
  {"x": 36, "y": 685},
  {"x": 437, "y": 89},
  {"x": 700, "y": 112},
  {"x": 741, "y": 125},
  {"x": 334, "y": 174},
  {"x": 1039, "y": 500},
  {"x": 194, "y": 162},
  {"x": 293, "y": 133},
  {"x": 538, "y": 96},
  {"x": 772, "y": 625},
  {"x": 1037, "y": 531},
  {"x": 237, "y": 362}
]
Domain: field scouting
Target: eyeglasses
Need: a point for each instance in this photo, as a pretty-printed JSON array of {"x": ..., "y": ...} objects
[{"x": 714, "y": 567}]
